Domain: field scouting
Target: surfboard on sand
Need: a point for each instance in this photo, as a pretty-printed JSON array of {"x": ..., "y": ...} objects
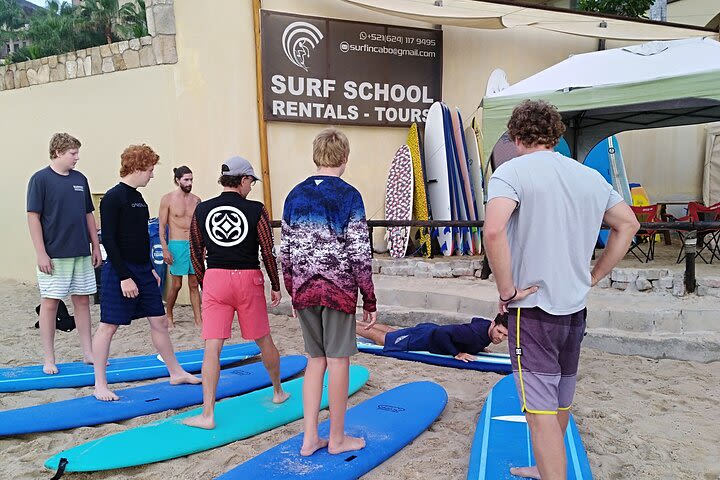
[
  {"x": 388, "y": 422},
  {"x": 121, "y": 369},
  {"x": 502, "y": 439},
  {"x": 419, "y": 204},
  {"x": 438, "y": 180},
  {"x": 236, "y": 418},
  {"x": 484, "y": 362},
  {"x": 139, "y": 401},
  {"x": 399, "y": 200}
]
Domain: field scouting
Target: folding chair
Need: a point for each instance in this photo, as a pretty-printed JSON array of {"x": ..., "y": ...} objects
[
  {"x": 680, "y": 233},
  {"x": 707, "y": 238},
  {"x": 646, "y": 214}
]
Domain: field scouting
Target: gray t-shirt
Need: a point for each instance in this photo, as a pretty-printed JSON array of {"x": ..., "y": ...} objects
[
  {"x": 63, "y": 201},
  {"x": 553, "y": 230}
]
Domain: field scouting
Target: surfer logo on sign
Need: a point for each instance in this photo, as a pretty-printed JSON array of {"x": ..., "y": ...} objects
[
  {"x": 226, "y": 226},
  {"x": 298, "y": 39}
]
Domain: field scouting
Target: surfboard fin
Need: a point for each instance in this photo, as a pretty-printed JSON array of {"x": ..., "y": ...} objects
[{"x": 61, "y": 469}]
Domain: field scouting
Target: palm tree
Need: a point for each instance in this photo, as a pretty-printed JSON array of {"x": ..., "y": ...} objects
[
  {"x": 12, "y": 20},
  {"x": 133, "y": 20},
  {"x": 103, "y": 15}
]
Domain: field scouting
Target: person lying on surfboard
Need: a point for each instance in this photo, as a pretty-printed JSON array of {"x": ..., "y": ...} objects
[{"x": 460, "y": 341}]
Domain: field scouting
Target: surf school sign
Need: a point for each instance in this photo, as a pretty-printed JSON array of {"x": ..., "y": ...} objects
[{"x": 320, "y": 70}]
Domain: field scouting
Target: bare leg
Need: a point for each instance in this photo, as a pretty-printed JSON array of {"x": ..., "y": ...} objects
[
  {"x": 312, "y": 393},
  {"x": 210, "y": 375},
  {"x": 195, "y": 299},
  {"x": 271, "y": 360},
  {"x": 338, "y": 392},
  {"x": 172, "y": 295},
  {"x": 101, "y": 350},
  {"x": 81, "y": 309},
  {"x": 161, "y": 340},
  {"x": 563, "y": 417},
  {"x": 48, "y": 316},
  {"x": 376, "y": 333}
]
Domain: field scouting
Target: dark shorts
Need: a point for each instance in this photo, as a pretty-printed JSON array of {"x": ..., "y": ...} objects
[
  {"x": 545, "y": 357},
  {"x": 411, "y": 339},
  {"x": 328, "y": 333},
  {"x": 116, "y": 309}
]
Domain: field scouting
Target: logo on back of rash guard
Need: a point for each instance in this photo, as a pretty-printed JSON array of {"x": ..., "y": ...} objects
[{"x": 226, "y": 226}]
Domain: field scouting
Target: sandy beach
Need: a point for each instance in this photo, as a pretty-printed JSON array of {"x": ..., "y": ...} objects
[{"x": 639, "y": 418}]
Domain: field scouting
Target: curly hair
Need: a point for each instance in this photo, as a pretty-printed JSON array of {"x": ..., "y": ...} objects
[
  {"x": 137, "y": 158},
  {"x": 330, "y": 148},
  {"x": 536, "y": 122},
  {"x": 61, "y": 143}
]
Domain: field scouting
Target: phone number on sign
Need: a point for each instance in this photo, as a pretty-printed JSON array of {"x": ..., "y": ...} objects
[{"x": 381, "y": 37}]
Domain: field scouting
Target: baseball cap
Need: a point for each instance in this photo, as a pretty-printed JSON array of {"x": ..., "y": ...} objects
[{"x": 237, "y": 166}]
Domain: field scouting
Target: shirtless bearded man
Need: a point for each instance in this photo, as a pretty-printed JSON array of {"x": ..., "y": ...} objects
[{"x": 176, "y": 211}]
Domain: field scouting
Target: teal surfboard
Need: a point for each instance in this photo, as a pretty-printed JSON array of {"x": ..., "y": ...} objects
[
  {"x": 236, "y": 418},
  {"x": 502, "y": 439}
]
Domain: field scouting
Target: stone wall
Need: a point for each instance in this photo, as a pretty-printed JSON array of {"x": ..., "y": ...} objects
[
  {"x": 156, "y": 49},
  {"x": 656, "y": 280}
]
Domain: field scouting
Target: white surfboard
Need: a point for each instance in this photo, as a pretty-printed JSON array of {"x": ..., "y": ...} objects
[
  {"x": 436, "y": 165},
  {"x": 476, "y": 177}
]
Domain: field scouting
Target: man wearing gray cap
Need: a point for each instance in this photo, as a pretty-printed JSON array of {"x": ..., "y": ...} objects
[{"x": 227, "y": 231}]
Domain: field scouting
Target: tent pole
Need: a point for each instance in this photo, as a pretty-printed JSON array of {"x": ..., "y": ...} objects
[{"x": 262, "y": 126}]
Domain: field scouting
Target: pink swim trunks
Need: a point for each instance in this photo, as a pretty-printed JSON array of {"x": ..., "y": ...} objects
[{"x": 226, "y": 292}]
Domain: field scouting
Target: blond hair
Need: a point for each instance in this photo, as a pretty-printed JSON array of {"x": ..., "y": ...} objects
[
  {"x": 61, "y": 143},
  {"x": 330, "y": 148}
]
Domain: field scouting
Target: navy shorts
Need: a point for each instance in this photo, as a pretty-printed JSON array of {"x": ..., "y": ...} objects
[
  {"x": 411, "y": 339},
  {"x": 116, "y": 309}
]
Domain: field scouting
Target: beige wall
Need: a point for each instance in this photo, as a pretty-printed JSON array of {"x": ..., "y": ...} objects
[
  {"x": 203, "y": 110},
  {"x": 693, "y": 12}
]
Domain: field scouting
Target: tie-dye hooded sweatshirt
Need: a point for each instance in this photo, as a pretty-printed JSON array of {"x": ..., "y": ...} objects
[{"x": 325, "y": 248}]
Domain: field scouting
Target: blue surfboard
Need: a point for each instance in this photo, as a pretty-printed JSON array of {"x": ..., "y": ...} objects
[
  {"x": 611, "y": 166},
  {"x": 452, "y": 178},
  {"x": 139, "y": 401},
  {"x": 126, "y": 369},
  {"x": 484, "y": 362},
  {"x": 387, "y": 422},
  {"x": 502, "y": 439}
]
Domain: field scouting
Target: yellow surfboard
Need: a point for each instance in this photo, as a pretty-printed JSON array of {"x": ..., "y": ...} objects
[{"x": 420, "y": 208}]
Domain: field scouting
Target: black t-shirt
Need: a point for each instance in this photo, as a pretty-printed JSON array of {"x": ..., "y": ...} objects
[
  {"x": 228, "y": 226},
  {"x": 466, "y": 338},
  {"x": 124, "y": 216},
  {"x": 63, "y": 202}
]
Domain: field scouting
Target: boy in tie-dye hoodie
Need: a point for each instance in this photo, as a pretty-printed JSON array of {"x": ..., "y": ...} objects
[{"x": 326, "y": 258}]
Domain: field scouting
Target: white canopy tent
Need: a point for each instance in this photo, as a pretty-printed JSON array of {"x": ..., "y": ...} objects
[
  {"x": 500, "y": 15},
  {"x": 711, "y": 174},
  {"x": 602, "y": 93}
]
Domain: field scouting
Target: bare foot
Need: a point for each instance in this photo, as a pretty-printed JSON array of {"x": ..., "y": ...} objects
[
  {"x": 184, "y": 378},
  {"x": 105, "y": 395},
  {"x": 348, "y": 444},
  {"x": 280, "y": 397},
  {"x": 526, "y": 472},
  {"x": 50, "y": 368},
  {"x": 309, "y": 449},
  {"x": 200, "y": 421}
]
